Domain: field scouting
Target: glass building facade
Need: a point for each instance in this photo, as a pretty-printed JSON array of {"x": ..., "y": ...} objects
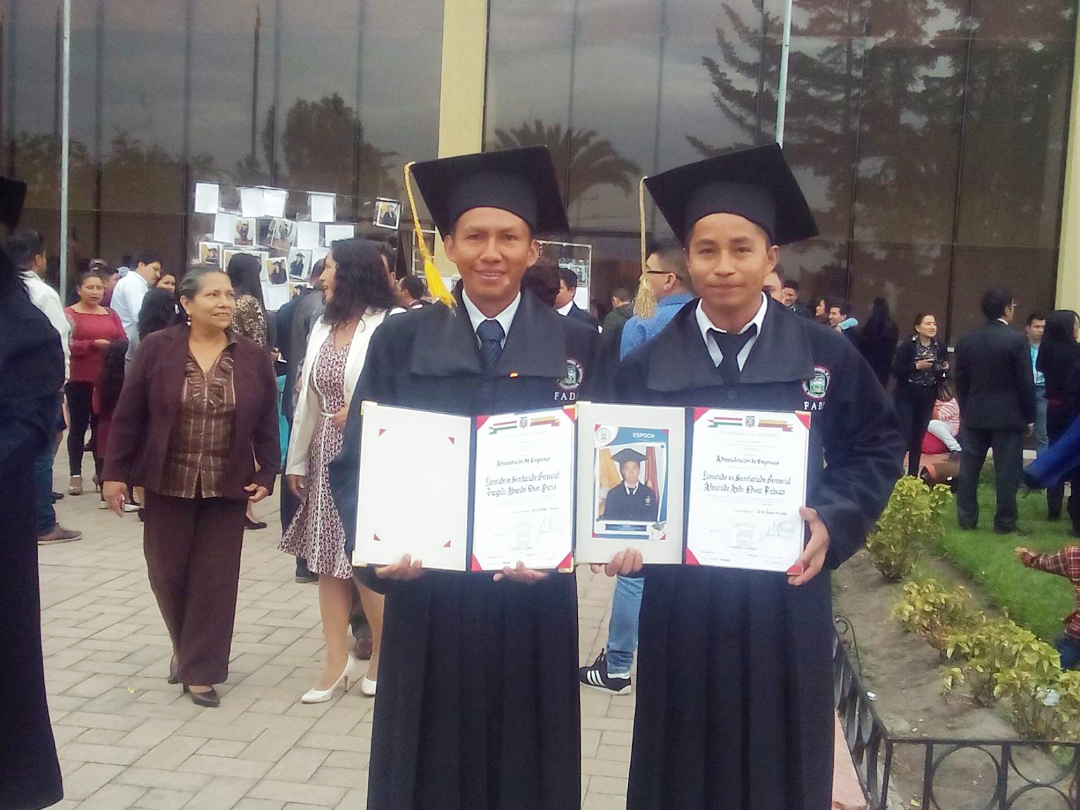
[{"x": 929, "y": 135}]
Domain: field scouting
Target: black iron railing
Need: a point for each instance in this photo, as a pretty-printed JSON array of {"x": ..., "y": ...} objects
[{"x": 1010, "y": 774}]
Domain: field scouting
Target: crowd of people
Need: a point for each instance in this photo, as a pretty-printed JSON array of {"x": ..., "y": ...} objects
[{"x": 175, "y": 377}]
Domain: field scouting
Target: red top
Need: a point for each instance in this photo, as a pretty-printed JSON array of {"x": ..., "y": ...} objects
[
  {"x": 1066, "y": 563},
  {"x": 86, "y": 357}
]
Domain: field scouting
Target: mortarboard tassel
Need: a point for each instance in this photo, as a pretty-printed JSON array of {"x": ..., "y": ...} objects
[
  {"x": 435, "y": 284},
  {"x": 645, "y": 300}
]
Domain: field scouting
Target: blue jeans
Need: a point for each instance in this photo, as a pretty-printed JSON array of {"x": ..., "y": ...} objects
[
  {"x": 44, "y": 513},
  {"x": 1069, "y": 648},
  {"x": 1041, "y": 441},
  {"x": 623, "y": 628}
]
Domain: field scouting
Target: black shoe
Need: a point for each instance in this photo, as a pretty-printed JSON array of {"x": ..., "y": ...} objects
[
  {"x": 595, "y": 676},
  {"x": 251, "y": 524},
  {"x": 304, "y": 579},
  {"x": 208, "y": 700},
  {"x": 968, "y": 527},
  {"x": 57, "y": 496}
]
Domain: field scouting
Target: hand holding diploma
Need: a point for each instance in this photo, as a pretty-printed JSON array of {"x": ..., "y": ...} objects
[
  {"x": 405, "y": 570},
  {"x": 623, "y": 564},
  {"x": 520, "y": 574},
  {"x": 813, "y": 557}
]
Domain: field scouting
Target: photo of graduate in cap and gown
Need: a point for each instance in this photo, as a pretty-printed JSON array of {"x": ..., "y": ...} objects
[
  {"x": 632, "y": 499},
  {"x": 478, "y": 705},
  {"x": 735, "y": 686}
]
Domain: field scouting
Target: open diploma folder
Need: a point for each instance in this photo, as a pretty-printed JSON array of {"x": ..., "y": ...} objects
[{"x": 487, "y": 491}]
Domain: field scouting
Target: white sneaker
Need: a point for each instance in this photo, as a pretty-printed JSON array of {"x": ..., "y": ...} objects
[{"x": 349, "y": 676}]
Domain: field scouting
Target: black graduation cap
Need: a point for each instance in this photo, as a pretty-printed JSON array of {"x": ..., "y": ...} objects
[
  {"x": 521, "y": 181},
  {"x": 753, "y": 183},
  {"x": 628, "y": 454}
]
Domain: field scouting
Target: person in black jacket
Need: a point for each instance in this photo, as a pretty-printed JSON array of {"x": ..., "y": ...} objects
[
  {"x": 32, "y": 368},
  {"x": 996, "y": 389},
  {"x": 564, "y": 301},
  {"x": 1057, "y": 360},
  {"x": 920, "y": 367},
  {"x": 877, "y": 340}
]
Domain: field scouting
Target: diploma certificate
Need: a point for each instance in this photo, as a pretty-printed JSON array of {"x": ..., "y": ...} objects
[{"x": 747, "y": 483}]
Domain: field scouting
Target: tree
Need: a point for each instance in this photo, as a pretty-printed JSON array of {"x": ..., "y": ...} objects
[{"x": 582, "y": 159}]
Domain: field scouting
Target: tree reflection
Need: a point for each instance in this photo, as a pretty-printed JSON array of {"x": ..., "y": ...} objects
[{"x": 583, "y": 160}]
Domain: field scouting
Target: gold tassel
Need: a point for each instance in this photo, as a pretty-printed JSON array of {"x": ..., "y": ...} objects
[
  {"x": 435, "y": 284},
  {"x": 645, "y": 300}
]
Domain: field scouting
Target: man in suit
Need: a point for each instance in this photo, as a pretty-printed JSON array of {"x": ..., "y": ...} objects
[
  {"x": 789, "y": 297},
  {"x": 996, "y": 391},
  {"x": 631, "y": 499},
  {"x": 564, "y": 301}
]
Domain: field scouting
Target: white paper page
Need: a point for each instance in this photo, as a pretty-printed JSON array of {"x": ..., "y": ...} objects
[
  {"x": 322, "y": 207},
  {"x": 225, "y": 228},
  {"x": 647, "y": 516},
  {"x": 407, "y": 455},
  {"x": 251, "y": 202},
  {"x": 332, "y": 233},
  {"x": 318, "y": 254},
  {"x": 524, "y": 504},
  {"x": 206, "y": 198},
  {"x": 747, "y": 483},
  {"x": 273, "y": 202},
  {"x": 307, "y": 235},
  {"x": 275, "y": 296}
]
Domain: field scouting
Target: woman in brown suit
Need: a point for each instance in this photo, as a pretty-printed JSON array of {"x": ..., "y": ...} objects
[{"x": 197, "y": 427}]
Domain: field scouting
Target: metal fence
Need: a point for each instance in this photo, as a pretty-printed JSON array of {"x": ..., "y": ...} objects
[{"x": 1016, "y": 774}]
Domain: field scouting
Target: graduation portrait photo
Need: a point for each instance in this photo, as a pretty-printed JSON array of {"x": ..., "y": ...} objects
[
  {"x": 275, "y": 270},
  {"x": 299, "y": 264},
  {"x": 282, "y": 234},
  {"x": 630, "y": 479},
  {"x": 387, "y": 214},
  {"x": 210, "y": 253},
  {"x": 245, "y": 232}
]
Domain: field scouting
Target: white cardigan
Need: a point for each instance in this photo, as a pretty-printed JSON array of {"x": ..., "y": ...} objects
[{"x": 307, "y": 406}]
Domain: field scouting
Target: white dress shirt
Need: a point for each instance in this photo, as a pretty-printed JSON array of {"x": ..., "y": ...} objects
[
  {"x": 47, "y": 300},
  {"x": 505, "y": 318},
  {"x": 565, "y": 308},
  {"x": 127, "y": 299},
  {"x": 704, "y": 324}
]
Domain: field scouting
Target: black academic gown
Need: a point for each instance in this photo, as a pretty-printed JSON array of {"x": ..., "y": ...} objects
[
  {"x": 32, "y": 369},
  {"x": 735, "y": 695},
  {"x": 621, "y": 505},
  {"x": 478, "y": 694}
]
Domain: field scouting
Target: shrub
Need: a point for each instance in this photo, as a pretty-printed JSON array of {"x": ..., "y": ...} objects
[
  {"x": 911, "y": 519},
  {"x": 1002, "y": 659},
  {"x": 935, "y": 612}
]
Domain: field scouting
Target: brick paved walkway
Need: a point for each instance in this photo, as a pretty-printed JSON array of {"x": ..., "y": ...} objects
[{"x": 129, "y": 740}]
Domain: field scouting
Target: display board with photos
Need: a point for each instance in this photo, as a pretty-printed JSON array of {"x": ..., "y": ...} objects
[
  {"x": 695, "y": 486},
  {"x": 287, "y": 231}
]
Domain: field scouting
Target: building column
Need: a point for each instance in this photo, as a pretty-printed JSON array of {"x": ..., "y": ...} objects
[
  {"x": 461, "y": 92},
  {"x": 1068, "y": 271}
]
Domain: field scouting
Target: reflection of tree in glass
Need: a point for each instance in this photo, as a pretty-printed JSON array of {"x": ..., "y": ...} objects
[
  {"x": 580, "y": 155},
  {"x": 322, "y": 140}
]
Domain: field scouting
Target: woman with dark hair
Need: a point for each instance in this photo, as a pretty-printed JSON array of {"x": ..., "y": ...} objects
[
  {"x": 920, "y": 366},
  {"x": 93, "y": 329},
  {"x": 1057, "y": 360},
  {"x": 158, "y": 312},
  {"x": 359, "y": 296},
  {"x": 32, "y": 368},
  {"x": 877, "y": 340},
  {"x": 166, "y": 281},
  {"x": 106, "y": 395},
  {"x": 197, "y": 428},
  {"x": 245, "y": 272}
]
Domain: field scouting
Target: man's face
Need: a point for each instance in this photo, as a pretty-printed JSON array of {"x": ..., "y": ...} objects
[
  {"x": 151, "y": 272},
  {"x": 1035, "y": 330},
  {"x": 836, "y": 316},
  {"x": 729, "y": 258},
  {"x": 40, "y": 264},
  {"x": 492, "y": 249},
  {"x": 630, "y": 470},
  {"x": 771, "y": 286},
  {"x": 565, "y": 296},
  {"x": 788, "y": 296},
  {"x": 401, "y": 294}
]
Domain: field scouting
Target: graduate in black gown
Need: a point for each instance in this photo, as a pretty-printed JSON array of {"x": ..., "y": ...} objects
[
  {"x": 630, "y": 500},
  {"x": 478, "y": 703},
  {"x": 735, "y": 694}
]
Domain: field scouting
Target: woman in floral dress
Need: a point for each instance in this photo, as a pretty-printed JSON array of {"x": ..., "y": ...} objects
[{"x": 358, "y": 297}]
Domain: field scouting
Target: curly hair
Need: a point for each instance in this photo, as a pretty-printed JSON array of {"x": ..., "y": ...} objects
[{"x": 361, "y": 280}]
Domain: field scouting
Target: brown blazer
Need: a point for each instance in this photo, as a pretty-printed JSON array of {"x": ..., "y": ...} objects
[{"x": 150, "y": 402}]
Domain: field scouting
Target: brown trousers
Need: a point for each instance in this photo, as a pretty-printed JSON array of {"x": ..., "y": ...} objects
[{"x": 192, "y": 548}]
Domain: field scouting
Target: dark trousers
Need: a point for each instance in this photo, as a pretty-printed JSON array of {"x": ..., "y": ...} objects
[
  {"x": 1069, "y": 648},
  {"x": 1008, "y": 446},
  {"x": 1057, "y": 422},
  {"x": 915, "y": 406},
  {"x": 80, "y": 401},
  {"x": 192, "y": 548}
]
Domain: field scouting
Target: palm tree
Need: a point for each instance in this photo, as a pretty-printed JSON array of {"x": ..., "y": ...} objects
[{"x": 583, "y": 160}]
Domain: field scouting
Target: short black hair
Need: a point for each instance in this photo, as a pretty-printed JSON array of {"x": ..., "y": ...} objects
[
  {"x": 147, "y": 257},
  {"x": 1035, "y": 316},
  {"x": 414, "y": 286},
  {"x": 568, "y": 277},
  {"x": 672, "y": 258},
  {"x": 791, "y": 284},
  {"x": 995, "y": 302},
  {"x": 542, "y": 281},
  {"x": 839, "y": 303},
  {"x": 24, "y": 245},
  {"x": 621, "y": 293}
]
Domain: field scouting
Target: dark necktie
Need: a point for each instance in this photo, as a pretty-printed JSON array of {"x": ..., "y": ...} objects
[
  {"x": 730, "y": 345},
  {"x": 491, "y": 335}
]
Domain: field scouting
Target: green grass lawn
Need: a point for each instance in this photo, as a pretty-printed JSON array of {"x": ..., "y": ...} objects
[{"x": 1033, "y": 599}]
